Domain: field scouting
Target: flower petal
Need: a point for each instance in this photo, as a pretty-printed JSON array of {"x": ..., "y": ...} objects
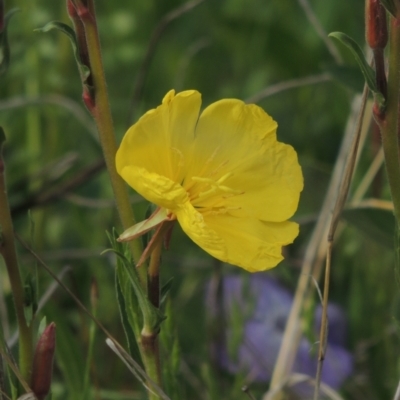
[
  {"x": 160, "y": 140},
  {"x": 271, "y": 185},
  {"x": 153, "y": 187},
  {"x": 228, "y": 133},
  {"x": 192, "y": 223},
  {"x": 251, "y": 244},
  {"x": 240, "y": 140}
]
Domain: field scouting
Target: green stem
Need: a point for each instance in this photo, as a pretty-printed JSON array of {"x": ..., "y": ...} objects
[
  {"x": 153, "y": 280},
  {"x": 8, "y": 251},
  {"x": 149, "y": 341},
  {"x": 389, "y": 123},
  {"x": 102, "y": 115}
]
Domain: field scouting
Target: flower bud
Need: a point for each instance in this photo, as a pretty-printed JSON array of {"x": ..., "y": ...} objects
[
  {"x": 88, "y": 99},
  {"x": 42, "y": 368},
  {"x": 71, "y": 9},
  {"x": 376, "y": 25}
]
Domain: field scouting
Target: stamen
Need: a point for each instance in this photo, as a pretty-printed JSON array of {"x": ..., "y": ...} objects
[
  {"x": 216, "y": 186},
  {"x": 180, "y": 164},
  {"x": 217, "y": 210}
]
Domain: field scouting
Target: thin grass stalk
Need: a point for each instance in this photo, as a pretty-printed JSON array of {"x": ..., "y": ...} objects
[
  {"x": 9, "y": 253},
  {"x": 316, "y": 250}
]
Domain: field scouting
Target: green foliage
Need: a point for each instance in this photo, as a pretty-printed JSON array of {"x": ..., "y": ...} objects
[
  {"x": 376, "y": 223},
  {"x": 70, "y": 33},
  {"x": 233, "y": 48},
  {"x": 366, "y": 70}
]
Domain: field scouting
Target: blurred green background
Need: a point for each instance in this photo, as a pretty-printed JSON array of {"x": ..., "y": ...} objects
[{"x": 222, "y": 48}]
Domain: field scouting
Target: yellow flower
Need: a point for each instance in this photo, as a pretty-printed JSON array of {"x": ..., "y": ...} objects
[{"x": 222, "y": 174}]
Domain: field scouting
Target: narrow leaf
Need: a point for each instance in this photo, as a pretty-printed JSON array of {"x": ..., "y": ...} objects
[
  {"x": 368, "y": 72},
  {"x": 124, "y": 309},
  {"x": 84, "y": 70}
]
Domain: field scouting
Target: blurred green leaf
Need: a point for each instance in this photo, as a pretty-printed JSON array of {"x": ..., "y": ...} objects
[
  {"x": 69, "y": 356},
  {"x": 347, "y": 76},
  {"x": 171, "y": 355},
  {"x": 376, "y": 223}
]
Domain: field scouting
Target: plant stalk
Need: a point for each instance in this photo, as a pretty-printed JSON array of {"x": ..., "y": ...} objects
[
  {"x": 388, "y": 123},
  {"x": 8, "y": 251},
  {"x": 149, "y": 342},
  {"x": 102, "y": 115}
]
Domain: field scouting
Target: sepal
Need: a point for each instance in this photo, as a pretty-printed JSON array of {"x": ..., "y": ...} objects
[{"x": 158, "y": 217}]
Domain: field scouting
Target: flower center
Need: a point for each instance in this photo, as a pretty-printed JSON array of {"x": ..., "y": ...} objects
[{"x": 209, "y": 194}]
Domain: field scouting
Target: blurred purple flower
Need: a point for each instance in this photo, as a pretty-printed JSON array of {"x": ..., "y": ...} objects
[{"x": 260, "y": 307}]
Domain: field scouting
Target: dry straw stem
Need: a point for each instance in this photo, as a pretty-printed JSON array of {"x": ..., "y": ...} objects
[
  {"x": 13, "y": 366},
  {"x": 289, "y": 84},
  {"x": 58, "y": 100},
  {"x": 397, "y": 394},
  {"x": 295, "y": 379},
  {"x": 315, "y": 254},
  {"x": 313, "y": 19}
]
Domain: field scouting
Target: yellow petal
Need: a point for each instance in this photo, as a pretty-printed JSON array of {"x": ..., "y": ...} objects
[
  {"x": 251, "y": 244},
  {"x": 192, "y": 223},
  {"x": 271, "y": 185},
  {"x": 248, "y": 243},
  {"x": 228, "y": 133},
  {"x": 156, "y": 188},
  {"x": 240, "y": 140},
  {"x": 160, "y": 140}
]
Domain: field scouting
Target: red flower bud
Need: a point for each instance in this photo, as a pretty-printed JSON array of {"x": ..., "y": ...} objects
[
  {"x": 88, "y": 99},
  {"x": 71, "y": 9},
  {"x": 42, "y": 368},
  {"x": 376, "y": 31}
]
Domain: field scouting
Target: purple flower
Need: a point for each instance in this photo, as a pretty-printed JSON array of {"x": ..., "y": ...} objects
[{"x": 255, "y": 309}]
